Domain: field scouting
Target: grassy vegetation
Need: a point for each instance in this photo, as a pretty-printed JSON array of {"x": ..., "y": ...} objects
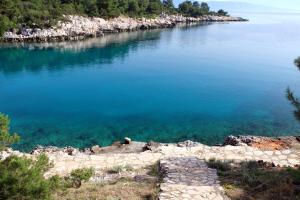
[
  {"x": 120, "y": 168},
  {"x": 15, "y": 14},
  {"x": 255, "y": 180},
  {"x": 154, "y": 170},
  {"x": 121, "y": 189}
]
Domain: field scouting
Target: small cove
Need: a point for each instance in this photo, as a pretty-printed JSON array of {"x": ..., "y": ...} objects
[{"x": 200, "y": 82}]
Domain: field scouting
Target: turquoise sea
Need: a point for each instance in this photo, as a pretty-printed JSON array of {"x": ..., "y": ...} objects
[{"x": 200, "y": 82}]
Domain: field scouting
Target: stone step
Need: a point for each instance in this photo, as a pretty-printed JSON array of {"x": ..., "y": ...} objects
[{"x": 187, "y": 178}]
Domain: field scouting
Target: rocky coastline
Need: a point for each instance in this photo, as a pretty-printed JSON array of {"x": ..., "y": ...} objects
[
  {"x": 79, "y": 27},
  {"x": 240, "y": 148},
  {"x": 183, "y": 167}
]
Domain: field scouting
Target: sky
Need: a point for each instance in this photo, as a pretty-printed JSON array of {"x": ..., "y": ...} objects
[{"x": 287, "y": 4}]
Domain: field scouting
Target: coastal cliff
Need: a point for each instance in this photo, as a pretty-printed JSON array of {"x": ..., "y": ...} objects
[{"x": 78, "y": 27}]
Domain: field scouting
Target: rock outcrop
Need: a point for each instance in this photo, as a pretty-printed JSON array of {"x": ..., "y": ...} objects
[
  {"x": 264, "y": 143},
  {"x": 78, "y": 27}
]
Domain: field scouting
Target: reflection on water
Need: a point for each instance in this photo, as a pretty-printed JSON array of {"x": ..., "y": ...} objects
[
  {"x": 35, "y": 57},
  {"x": 199, "y": 82},
  {"x": 19, "y": 56}
]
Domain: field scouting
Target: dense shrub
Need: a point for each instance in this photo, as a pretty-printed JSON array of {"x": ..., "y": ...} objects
[
  {"x": 22, "y": 178},
  {"x": 6, "y": 138},
  {"x": 83, "y": 174}
]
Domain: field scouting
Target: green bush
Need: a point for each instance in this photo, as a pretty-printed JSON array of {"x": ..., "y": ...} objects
[
  {"x": 4, "y": 24},
  {"x": 83, "y": 174},
  {"x": 22, "y": 178},
  {"x": 6, "y": 138}
]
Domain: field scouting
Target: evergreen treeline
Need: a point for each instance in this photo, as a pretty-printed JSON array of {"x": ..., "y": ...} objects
[{"x": 44, "y": 13}]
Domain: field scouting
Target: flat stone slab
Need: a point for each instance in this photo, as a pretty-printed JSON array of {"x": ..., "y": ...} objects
[{"x": 189, "y": 178}]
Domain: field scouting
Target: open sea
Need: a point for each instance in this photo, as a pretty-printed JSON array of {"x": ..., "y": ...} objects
[{"x": 199, "y": 82}]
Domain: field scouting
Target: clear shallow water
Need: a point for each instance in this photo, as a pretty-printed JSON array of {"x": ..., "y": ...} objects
[{"x": 200, "y": 82}]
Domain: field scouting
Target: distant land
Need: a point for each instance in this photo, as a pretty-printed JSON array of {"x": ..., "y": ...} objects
[{"x": 233, "y": 7}]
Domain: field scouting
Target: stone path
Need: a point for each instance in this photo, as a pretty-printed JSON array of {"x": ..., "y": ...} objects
[{"x": 189, "y": 178}]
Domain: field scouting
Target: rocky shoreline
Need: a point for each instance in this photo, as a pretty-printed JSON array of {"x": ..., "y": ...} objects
[
  {"x": 241, "y": 148},
  {"x": 79, "y": 27},
  {"x": 183, "y": 167}
]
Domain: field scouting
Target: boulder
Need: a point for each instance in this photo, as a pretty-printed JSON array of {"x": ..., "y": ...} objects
[{"x": 127, "y": 140}]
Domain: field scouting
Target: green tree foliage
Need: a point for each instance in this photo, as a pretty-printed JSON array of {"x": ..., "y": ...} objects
[
  {"x": 185, "y": 7},
  {"x": 295, "y": 102},
  {"x": 204, "y": 8},
  {"x": 194, "y": 9},
  {"x": 5, "y": 24},
  {"x": 292, "y": 98},
  {"x": 22, "y": 178},
  {"x": 155, "y": 7},
  {"x": 222, "y": 12},
  {"x": 6, "y": 139},
  {"x": 168, "y": 6}
]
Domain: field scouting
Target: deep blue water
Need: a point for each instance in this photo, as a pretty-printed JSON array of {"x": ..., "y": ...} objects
[{"x": 200, "y": 82}]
